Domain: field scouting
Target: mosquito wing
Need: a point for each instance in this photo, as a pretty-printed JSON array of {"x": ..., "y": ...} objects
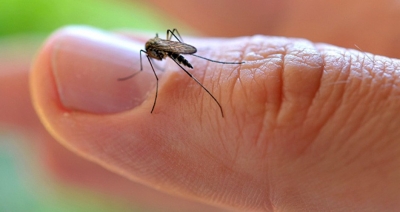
[{"x": 176, "y": 47}]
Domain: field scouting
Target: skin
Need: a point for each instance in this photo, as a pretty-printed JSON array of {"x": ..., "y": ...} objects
[
  {"x": 301, "y": 121},
  {"x": 307, "y": 127}
]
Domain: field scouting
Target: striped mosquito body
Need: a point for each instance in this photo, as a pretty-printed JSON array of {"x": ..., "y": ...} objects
[
  {"x": 180, "y": 59},
  {"x": 159, "y": 49}
]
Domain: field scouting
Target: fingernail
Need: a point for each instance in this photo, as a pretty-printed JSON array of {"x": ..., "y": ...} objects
[{"x": 87, "y": 64}]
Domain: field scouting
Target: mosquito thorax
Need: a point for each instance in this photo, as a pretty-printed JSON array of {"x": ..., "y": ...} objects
[{"x": 154, "y": 52}]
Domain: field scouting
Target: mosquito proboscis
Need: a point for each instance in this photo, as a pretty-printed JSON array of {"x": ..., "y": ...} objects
[{"x": 159, "y": 49}]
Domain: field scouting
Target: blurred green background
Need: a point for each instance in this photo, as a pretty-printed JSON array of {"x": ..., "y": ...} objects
[
  {"x": 41, "y": 16},
  {"x": 24, "y": 25}
]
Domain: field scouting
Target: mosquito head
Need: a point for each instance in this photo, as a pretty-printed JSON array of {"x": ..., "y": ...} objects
[{"x": 148, "y": 44}]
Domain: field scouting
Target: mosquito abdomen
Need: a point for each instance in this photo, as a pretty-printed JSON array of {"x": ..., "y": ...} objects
[{"x": 179, "y": 58}]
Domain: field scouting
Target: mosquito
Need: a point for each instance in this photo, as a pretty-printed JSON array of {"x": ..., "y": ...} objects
[{"x": 159, "y": 49}]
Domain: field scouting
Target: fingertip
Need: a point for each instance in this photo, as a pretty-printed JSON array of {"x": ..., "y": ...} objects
[
  {"x": 74, "y": 83},
  {"x": 85, "y": 65}
]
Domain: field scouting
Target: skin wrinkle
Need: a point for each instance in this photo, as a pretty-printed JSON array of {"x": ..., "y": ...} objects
[
  {"x": 312, "y": 137},
  {"x": 296, "y": 57},
  {"x": 239, "y": 134},
  {"x": 216, "y": 158},
  {"x": 224, "y": 147},
  {"x": 347, "y": 86},
  {"x": 351, "y": 159},
  {"x": 365, "y": 87},
  {"x": 389, "y": 82},
  {"x": 236, "y": 153},
  {"x": 389, "y": 69},
  {"x": 354, "y": 134},
  {"x": 260, "y": 136},
  {"x": 213, "y": 88},
  {"x": 282, "y": 85},
  {"x": 222, "y": 68},
  {"x": 336, "y": 63},
  {"x": 367, "y": 75},
  {"x": 254, "y": 198},
  {"x": 218, "y": 80},
  {"x": 366, "y": 122},
  {"x": 260, "y": 142},
  {"x": 200, "y": 101},
  {"x": 346, "y": 72},
  {"x": 340, "y": 105},
  {"x": 317, "y": 129},
  {"x": 375, "y": 147},
  {"x": 212, "y": 105},
  {"x": 378, "y": 164},
  {"x": 237, "y": 78},
  {"x": 280, "y": 97},
  {"x": 228, "y": 153},
  {"x": 258, "y": 139},
  {"x": 377, "y": 77},
  {"x": 267, "y": 124},
  {"x": 242, "y": 128},
  {"x": 239, "y": 68},
  {"x": 253, "y": 69},
  {"x": 291, "y": 202},
  {"x": 339, "y": 101},
  {"x": 350, "y": 115},
  {"x": 215, "y": 77},
  {"x": 381, "y": 87},
  {"x": 269, "y": 203},
  {"x": 237, "y": 83},
  {"x": 320, "y": 80},
  {"x": 309, "y": 61},
  {"x": 109, "y": 164}
]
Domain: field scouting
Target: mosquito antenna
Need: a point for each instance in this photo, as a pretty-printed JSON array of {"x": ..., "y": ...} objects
[
  {"x": 191, "y": 76},
  {"x": 215, "y": 61}
]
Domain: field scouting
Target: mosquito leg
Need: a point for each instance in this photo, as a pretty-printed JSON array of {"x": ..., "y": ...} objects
[
  {"x": 141, "y": 68},
  {"x": 191, "y": 76},
  {"x": 155, "y": 99},
  {"x": 216, "y": 61},
  {"x": 156, "y": 65},
  {"x": 179, "y": 35},
  {"x": 171, "y": 33}
]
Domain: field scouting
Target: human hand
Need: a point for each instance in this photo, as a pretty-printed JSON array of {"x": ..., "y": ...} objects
[{"x": 307, "y": 126}]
